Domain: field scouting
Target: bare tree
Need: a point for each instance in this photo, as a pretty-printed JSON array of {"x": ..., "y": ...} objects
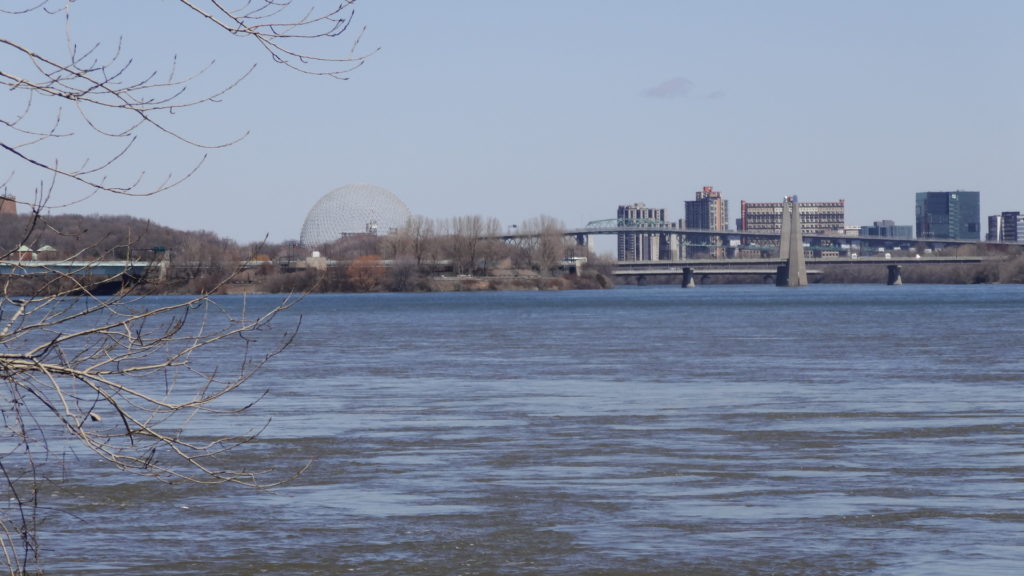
[
  {"x": 404, "y": 274},
  {"x": 492, "y": 248},
  {"x": 464, "y": 243},
  {"x": 420, "y": 233},
  {"x": 436, "y": 244},
  {"x": 548, "y": 245},
  {"x": 61, "y": 107},
  {"x": 367, "y": 273},
  {"x": 122, "y": 377}
]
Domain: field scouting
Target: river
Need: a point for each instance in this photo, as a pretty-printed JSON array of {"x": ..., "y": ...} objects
[{"x": 751, "y": 430}]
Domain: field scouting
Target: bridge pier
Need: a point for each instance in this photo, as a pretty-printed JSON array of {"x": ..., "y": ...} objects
[
  {"x": 782, "y": 275},
  {"x": 895, "y": 278},
  {"x": 791, "y": 247},
  {"x": 688, "y": 281}
]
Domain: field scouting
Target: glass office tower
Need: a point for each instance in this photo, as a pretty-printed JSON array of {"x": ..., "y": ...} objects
[{"x": 952, "y": 215}]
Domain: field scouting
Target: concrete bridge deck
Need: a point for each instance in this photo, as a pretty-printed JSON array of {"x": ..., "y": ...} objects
[
  {"x": 703, "y": 266},
  {"x": 776, "y": 268},
  {"x": 702, "y": 271}
]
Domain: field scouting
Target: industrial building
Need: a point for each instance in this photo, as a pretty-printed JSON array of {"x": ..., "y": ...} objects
[
  {"x": 1005, "y": 227},
  {"x": 639, "y": 245},
  {"x": 709, "y": 211},
  {"x": 953, "y": 215}
]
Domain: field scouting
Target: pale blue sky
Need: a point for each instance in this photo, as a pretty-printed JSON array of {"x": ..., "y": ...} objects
[{"x": 570, "y": 108}]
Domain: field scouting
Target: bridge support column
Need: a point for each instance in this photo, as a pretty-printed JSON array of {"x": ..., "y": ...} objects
[
  {"x": 688, "y": 278},
  {"x": 782, "y": 275},
  {"x": 791, "y": 247},
  {"x": 895, "y": 277}
]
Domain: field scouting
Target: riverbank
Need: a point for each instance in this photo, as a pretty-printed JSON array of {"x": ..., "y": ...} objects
[
  {"x": 269, "y": 278},
  {"x": 516, "y": 281}
]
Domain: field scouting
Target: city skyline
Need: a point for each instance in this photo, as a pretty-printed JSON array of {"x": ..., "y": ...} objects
[{"x": 479, "y": 109}]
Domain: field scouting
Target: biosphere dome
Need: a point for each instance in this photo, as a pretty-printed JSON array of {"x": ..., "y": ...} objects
[{"x": 353, "y": 209}]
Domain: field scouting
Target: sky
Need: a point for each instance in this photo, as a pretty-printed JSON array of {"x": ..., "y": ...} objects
[{"x": 570, "y": 108}]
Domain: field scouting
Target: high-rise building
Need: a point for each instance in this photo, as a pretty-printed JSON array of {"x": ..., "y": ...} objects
[
  {"x": 995, "y": 229},
  {"x": 709, "y": 211},
  {"x": 887, "y": 229},
  {"x": 951, "y": 215},
  {"x": 1005, "y": 227},
  {"x": 815, "y": 217},
  {"x": 1011, "y": 227},
  {"x": 638, "y": 245}
]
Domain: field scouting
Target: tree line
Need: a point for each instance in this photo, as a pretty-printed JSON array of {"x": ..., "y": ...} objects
[{"x": 458, "y": 253}]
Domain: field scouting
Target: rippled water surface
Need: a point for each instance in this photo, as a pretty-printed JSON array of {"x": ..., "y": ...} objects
[{"x": 720, "y": 430}]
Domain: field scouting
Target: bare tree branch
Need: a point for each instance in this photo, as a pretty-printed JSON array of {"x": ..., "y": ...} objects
[
  {"x": 122, "y": 376},
  {"x": 113, "y": 100}
]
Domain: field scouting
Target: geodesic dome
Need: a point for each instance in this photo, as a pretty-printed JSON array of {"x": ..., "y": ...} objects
[{"x": 350, "y": 210}]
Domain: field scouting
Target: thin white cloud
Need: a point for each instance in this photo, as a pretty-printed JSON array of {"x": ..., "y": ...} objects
[{"x": 677, "y": 87}]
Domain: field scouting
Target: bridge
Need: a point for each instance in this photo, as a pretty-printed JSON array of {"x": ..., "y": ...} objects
[
  {"x": 102, "y": 277},
  {"x": 788, "y": 269},
  {"x": 768, "y": 268},
  {"x": 746, "y": 239},
  {"x": 107, "y": 268},
  {"x": 733, "y": 242},
  {"x": 106, "y": 276}
]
